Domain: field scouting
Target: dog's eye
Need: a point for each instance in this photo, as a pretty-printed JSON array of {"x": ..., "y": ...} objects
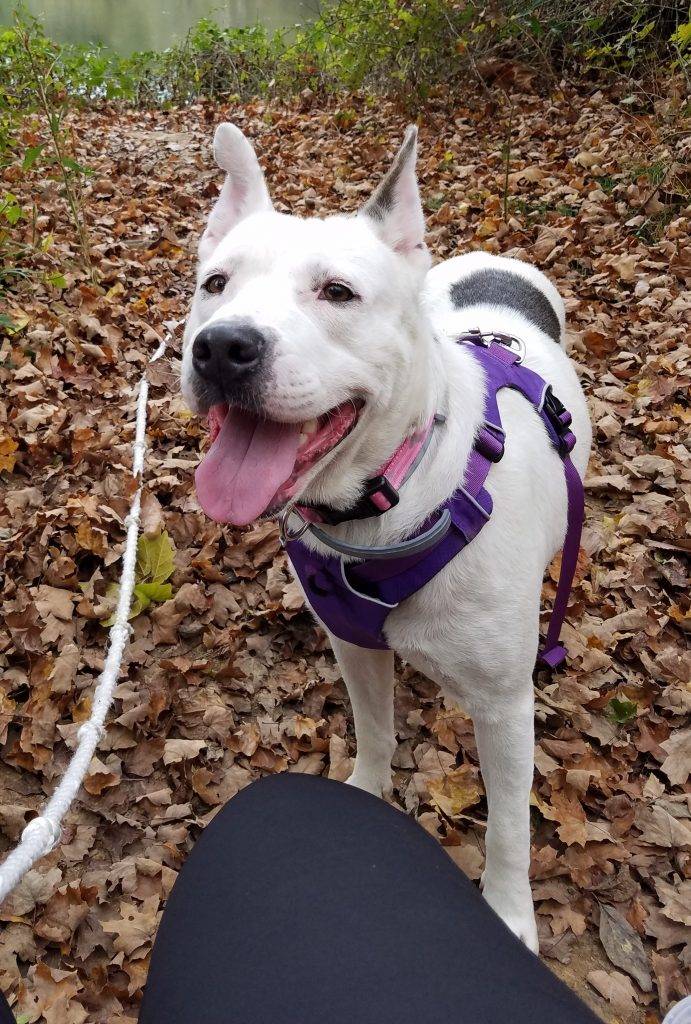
[
  {"x": 215, "y": 284},
  {"x": 334, "y": 291}
]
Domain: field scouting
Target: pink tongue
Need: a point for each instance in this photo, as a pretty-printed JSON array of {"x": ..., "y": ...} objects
[{"x": 245, "y": 466}]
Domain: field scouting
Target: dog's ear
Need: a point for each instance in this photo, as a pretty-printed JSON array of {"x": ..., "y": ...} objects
[
  {"x": 244, "y": 190},
  {"x": 394, "y": 209}
]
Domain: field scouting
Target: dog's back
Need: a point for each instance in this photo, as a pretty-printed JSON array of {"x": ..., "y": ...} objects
[
  {"x": 497, "y": 293},
  {"x": 486, "y": 291}
]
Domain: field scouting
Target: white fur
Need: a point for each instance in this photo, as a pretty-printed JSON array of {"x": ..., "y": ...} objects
[{"x": 474, "y": 627}]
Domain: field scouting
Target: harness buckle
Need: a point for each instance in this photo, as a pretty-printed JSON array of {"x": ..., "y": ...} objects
[
  {"x": 490, "y": 441},
  {"x": 379, "y": 496},
  {"x": 379, "y": 487},
  {"x": 560, "y": 419}
]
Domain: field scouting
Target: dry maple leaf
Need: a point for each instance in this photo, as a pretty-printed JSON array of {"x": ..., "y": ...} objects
[
  {"x": 455, "y": 791},
  {"x": 135, "y": 927}
]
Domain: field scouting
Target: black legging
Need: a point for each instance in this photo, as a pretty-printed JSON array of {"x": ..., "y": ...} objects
[{"x": 308, "y": 902}]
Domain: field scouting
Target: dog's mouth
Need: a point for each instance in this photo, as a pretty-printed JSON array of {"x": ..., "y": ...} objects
[{"x": 255, "y": 465}]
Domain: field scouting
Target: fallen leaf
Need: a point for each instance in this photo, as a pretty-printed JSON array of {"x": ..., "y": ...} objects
[
  {"x": 455, "y": 791},
  {"x": 623, "y": 946},
  {"x": 616, "y": 989}
]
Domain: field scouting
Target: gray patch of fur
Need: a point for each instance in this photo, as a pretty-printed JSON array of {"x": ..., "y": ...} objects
[{"x": 504, "y": 288}]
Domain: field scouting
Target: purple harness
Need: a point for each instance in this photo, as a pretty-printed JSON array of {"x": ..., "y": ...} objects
[{"x": 354, "y": 599}]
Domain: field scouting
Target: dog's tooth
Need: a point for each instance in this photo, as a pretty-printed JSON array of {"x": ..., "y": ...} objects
[{"x": 310, "y": 426}]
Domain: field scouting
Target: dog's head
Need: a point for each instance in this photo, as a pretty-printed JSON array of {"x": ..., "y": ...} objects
[{"x": 303, "y": 340}]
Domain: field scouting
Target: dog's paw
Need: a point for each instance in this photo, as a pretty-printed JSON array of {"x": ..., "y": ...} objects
[
  {"x": 371, "y": 783},
  {"x": 515, "y": 908}
]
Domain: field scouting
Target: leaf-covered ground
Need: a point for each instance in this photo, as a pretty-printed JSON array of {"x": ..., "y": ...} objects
[{"x": 229, "y": 679}]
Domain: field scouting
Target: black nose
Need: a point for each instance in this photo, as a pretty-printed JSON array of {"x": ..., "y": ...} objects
[{"x": 227, "y": 351}]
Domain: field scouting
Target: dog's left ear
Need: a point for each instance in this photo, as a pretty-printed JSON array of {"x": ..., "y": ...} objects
[
  {"x": 395, "y": 209},
  {"x": 244, "y": 190}
]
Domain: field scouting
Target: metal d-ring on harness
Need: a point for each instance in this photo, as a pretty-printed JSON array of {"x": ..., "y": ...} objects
[
  {"x": 486, "y": 338},
  {"x": 353, "y": 599}
]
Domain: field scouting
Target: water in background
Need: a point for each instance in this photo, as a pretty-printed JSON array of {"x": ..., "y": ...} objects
[{"x": 128, "y": 25}]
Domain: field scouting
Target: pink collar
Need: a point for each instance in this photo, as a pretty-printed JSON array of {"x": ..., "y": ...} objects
[{"x": 381, "y": 491}]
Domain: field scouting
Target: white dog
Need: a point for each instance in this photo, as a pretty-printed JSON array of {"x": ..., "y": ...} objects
[{"x": 318, "y": 346}]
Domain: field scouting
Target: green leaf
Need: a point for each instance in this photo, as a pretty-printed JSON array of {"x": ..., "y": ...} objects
[
  {"x": 10, "y": 208},
  {"x": 12, "y": 214},
  {"x": 31, "y": 155},
  {"x": 76, "y": 168},
  {"x": 154, "y": 566},
  {"x": 155, "y": 559},
  {"x": 140, "y": 602},
  {"x": 682, "y": 37},
  {"x": 622, "y": 711},
  {"x": 57, "y": 280},
  {"x": 144, "y": 594},
  {"x": 151, "y": 592}
]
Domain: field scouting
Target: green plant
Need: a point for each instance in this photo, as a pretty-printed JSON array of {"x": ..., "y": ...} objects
[
  {"x": 45, "y": 92},
  {"x": 153, "y": 569},
  {"x": 622, "y": 711},
  {"x": 12, "y": 253},
  {"x": 402, "y": 47}
]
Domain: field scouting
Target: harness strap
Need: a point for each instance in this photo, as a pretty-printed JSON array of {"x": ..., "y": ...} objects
[
  {"x": 419, "y": 544},
  {"x": 552, "y": 652},
  {"x": 500, "y": 362}
]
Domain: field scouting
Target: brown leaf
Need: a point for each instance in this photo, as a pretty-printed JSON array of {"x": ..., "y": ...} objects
[
  {"x": 182, "y": 750},
  {"x": 623, "y": 946},
  {"x": 455, "y": 791},
  {"x": 340, "y": 764},
  {"x": 64, "y": 912},
  {"x": 468, "y": 857},
  {"x": 151, "y": 515},
  {"x": 670, "y": 981},
  {"x": 135, "y": 927},
  {"x": 616, "y": 989},
  {"x": 676, "y": 900},
  {"x": 677, "y": 764},
  {"x": 35, "y": 888}
]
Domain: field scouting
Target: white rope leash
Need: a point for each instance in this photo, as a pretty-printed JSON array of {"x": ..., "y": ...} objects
[{"x": 44, "y": 832}]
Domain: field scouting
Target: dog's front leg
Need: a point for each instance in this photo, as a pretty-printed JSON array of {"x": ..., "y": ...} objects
[
  {"x": 506, "y": 748},
  {"x": 369, "y": 678}
]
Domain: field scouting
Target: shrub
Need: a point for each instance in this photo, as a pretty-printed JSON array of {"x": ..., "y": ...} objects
[{"x": 401, "y": 47}]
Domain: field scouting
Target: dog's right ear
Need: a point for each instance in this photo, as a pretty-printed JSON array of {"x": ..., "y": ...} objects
[{"x": 244, "y": 190}]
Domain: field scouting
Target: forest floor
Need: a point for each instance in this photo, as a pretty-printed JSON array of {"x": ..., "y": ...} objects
[{"x": 229, "y": 679}]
